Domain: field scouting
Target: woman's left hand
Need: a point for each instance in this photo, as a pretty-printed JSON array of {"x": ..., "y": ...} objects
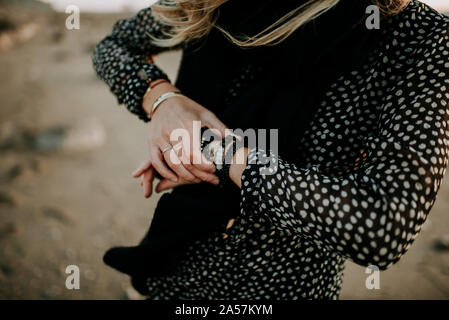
[{"x": 147, "y": 172}]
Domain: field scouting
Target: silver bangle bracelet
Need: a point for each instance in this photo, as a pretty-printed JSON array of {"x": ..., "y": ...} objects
[{"x": 161, "y": 99}]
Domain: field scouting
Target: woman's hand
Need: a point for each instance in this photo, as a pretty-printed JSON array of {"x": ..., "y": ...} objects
[
  {"x": 179, "y": 112},
  {"x": 146, "y": 171}
]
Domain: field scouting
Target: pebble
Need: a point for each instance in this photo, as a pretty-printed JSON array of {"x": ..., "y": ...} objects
[
  {"x": 8, "y": 229},
  {"x": 13, "y": 173},
  {"x": 83, "y": 136},
  {"x": 442, "y": 244},
  {"x": 11, "y": 136},
  {"x": 49, "y": 140},
  {"x": 56, "y": 213},
  {"x": 7, "y": 198}
]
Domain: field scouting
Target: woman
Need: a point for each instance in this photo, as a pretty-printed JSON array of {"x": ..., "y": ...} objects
[{"x": 363, "y": 140}]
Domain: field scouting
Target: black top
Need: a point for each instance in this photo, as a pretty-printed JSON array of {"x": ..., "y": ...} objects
[{"x": 359, "y": 185}]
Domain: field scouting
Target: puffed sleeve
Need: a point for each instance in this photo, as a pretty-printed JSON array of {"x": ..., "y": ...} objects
[
  {"x": 122, "y": 59},
  {"x": 372, "y": 213}
]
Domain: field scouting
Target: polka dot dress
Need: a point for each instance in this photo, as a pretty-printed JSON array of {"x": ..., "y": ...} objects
[{"x": 367, "y": 174}]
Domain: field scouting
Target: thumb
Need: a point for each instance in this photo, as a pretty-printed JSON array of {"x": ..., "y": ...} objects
[
  {"x": 144, "y": 166},
  {"x": 212, "y": 122}
]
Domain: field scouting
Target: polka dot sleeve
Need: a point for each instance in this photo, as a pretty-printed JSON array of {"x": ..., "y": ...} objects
[
  {"x": 372, "y": 211},
  {"x": 122, "y": 56}
]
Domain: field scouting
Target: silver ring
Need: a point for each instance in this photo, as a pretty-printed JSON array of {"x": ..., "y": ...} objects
[{"x": 166, "y": 149}]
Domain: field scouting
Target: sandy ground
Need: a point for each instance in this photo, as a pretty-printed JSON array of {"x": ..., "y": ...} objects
[{"x": 66, "y": 207}]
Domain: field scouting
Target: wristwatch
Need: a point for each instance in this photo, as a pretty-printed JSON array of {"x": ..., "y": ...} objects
[{"x": 221, "y": 153}]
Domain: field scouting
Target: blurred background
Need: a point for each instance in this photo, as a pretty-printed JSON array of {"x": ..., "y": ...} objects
[{"x": 66, "y": 156}]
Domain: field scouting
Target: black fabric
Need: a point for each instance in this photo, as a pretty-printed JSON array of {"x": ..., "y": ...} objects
[{"x": 289, "y": 80}]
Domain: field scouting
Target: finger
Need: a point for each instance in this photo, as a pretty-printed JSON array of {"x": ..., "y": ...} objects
[
  {"x": 205, "y": 164},
  {"x": 142, "y": 168},
  {"x": 160, "y": 166},
  {"x": 198, "y": 174},
  {"x": 212, "y": 122},
  {"x": 148, "y": 178},
  {"x": 197, "y": 158},
  {"x": 168, "y": 184},
  {"x": 230, "y": 224},
  {"x": 204, "y": 176},
  {"x": 176, "y": 164}
]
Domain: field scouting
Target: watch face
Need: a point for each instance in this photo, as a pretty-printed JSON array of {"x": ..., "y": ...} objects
[
  {"x": 212, "y": 151},
  {"x": 219, "y": 155},
  {"x": 210, "y": 143}
]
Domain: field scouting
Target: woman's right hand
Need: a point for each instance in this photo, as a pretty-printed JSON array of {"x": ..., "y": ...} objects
[{"x": 179, "y": 112}]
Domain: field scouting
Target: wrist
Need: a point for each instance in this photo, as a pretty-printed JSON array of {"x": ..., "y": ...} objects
[
  {"x": 238, "y": 166},
  {"x": 154, "y": 93}
]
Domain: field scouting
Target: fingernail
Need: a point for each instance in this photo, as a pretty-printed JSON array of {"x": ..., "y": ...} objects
[{"x": 174, "y": 179}]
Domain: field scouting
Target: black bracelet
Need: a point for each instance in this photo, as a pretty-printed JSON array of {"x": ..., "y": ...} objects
[{"x": 223, "y": 173}]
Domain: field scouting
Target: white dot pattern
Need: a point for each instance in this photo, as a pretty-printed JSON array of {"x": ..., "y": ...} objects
[{"x": 367, "y": 174}]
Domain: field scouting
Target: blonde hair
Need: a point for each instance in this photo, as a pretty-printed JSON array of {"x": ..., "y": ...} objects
[{"x": 194, "y": 19}]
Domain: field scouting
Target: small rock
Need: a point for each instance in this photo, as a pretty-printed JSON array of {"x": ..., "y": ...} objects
[
  {"x": 57, "y": 36},
  {"x": 86, "y": 135},
  {"x": 20, "y": 172},
  {"x": 6, "y": 270},
  {"x": 442, "y": 244},
  {"x": 7, "y": 230},
  {"x": 16, "y": 35},
  {"x": 11, "y": 136},
  {"x": 49, "y": 140},
  {"x": 6, "y": 198},
  {"x": 56, "y": 213},
  {"x": 6, "y": 25},
  {"x": 13, "y": 173}
]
